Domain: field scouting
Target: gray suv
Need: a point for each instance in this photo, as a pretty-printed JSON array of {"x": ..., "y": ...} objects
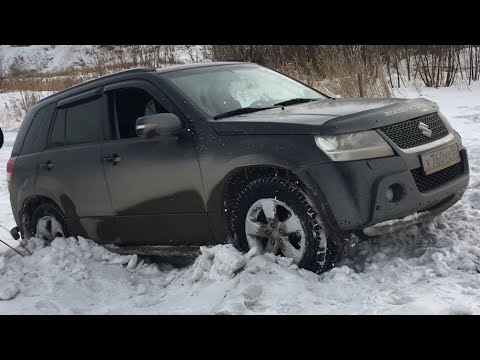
[{"x": 165, "y": 161}]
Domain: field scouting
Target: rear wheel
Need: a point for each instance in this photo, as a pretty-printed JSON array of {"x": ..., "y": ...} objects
[
  {"x": 48, "y": 222},
  {"x": 276, "y": 216}
]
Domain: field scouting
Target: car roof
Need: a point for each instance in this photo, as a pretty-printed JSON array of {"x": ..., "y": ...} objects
[
  {"x": 197, "y": 65},
  {"x": 127, "y": 74}
]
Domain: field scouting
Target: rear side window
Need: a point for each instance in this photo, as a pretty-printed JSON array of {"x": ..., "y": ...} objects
[
  {"x": 78, "y": 123},
  {"x": 83, "y": 122},
  {"x": 37, "y": 134}
]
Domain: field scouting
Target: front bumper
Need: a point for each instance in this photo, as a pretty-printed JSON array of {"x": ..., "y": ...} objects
[
  {"x": 352, "y": 194},
  {"x": 391, "y": 226}
]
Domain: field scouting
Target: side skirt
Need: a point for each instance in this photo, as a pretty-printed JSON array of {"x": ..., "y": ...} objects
[{"x": 156, "y": 250}]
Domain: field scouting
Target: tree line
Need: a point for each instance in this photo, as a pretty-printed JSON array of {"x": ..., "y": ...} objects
[
  {"x": 361, "y": 70},
  {"x": 346, "y": 70}
]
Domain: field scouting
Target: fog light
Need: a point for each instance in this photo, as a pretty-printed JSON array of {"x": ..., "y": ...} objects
[
  {"x": 389, "y": 194},
  {"x": 394, "y": 193}
]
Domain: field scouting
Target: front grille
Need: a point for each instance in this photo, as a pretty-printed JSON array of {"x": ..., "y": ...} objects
[
  {"x": 432, "y": 181},
  {"x": 407, "y": 134}
]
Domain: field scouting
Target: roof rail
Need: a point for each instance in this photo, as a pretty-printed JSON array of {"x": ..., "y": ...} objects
[{"x": 128, "y": 71}]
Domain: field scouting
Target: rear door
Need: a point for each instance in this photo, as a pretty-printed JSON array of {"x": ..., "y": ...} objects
[
  {"x": 155, "y": 184},
  {"x": 70, "y": 170},
  {"x": 27, "y": 146}
]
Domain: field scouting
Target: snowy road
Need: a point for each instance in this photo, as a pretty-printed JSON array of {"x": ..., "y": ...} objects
[{"x": 429, "y": 270}]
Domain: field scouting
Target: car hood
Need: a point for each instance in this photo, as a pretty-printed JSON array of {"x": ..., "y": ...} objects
[{"x": 324, "y": 117}]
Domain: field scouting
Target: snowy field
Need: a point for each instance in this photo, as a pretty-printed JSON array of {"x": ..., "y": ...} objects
[{"x": 433, "y": 269}]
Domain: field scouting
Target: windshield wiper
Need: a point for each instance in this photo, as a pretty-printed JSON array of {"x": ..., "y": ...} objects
[
  {"x": 240, "y": 111},
  {"x": 295, "y": 101},
  {"x": 248, "y": 110}
]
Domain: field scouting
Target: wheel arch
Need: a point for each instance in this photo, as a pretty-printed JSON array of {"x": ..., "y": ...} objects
[
  {"x": 32, "y": 202},
  {"x": 235, "y": 180}
]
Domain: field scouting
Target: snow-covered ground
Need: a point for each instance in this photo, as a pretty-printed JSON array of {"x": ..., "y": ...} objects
[
  {"x": 47, "y": 58},
  {"x": 6, "y": 217},
  {"x": 51, "y": 58},
  {"x": 433, "y": 269}
]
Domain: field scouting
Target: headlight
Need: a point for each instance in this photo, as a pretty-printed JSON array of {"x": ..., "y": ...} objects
[{"x": 354, "y": 146}]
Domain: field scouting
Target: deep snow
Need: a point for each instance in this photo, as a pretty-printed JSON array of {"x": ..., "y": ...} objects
[{"x": 432, "y": 269}]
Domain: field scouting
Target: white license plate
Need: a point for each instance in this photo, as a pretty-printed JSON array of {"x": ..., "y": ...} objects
[{"x": 440, "y": 159}]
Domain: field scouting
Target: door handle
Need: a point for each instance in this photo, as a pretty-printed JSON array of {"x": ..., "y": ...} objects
[
  {"x": 48, "y": 165},
  {"x": 114, "y": 159}
]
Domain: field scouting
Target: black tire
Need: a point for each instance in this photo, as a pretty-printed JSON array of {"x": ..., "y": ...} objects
[
  {"x": 47, "y": 209},
  {"x": 320, "y": 250}
]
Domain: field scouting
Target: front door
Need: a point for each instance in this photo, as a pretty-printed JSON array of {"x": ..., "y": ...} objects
[{"x": 155, "y": 184}]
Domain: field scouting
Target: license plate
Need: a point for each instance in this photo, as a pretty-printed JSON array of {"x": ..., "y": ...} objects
[{"x": 440, "y": 159}]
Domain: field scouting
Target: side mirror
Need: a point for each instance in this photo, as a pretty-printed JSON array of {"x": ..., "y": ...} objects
[{"x": 150, "y": 126}]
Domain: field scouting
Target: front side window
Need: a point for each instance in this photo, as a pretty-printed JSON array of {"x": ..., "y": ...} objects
[
  {"x": 219, "y": 89},
  {"x": 125, "y": 106}
]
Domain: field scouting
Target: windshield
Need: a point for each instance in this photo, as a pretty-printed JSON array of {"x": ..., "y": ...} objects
[{"x": 221, "y": 90}]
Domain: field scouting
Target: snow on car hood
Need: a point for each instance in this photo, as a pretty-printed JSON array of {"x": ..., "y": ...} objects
[{"x": 328, "y": 116}]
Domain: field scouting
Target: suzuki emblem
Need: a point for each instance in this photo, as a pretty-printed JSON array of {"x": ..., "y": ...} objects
[{"x": 424, "y": 129}]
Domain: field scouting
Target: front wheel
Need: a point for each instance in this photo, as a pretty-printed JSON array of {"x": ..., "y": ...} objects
[{"x": 276, "y": 216}]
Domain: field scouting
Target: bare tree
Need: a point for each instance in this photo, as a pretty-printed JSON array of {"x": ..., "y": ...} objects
[
  {"x": 348, "y": 70},
  {"x": 438, "y": 65},
  {"x": 101, "y": 59},
  {"x": 193, "y": 53}
]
